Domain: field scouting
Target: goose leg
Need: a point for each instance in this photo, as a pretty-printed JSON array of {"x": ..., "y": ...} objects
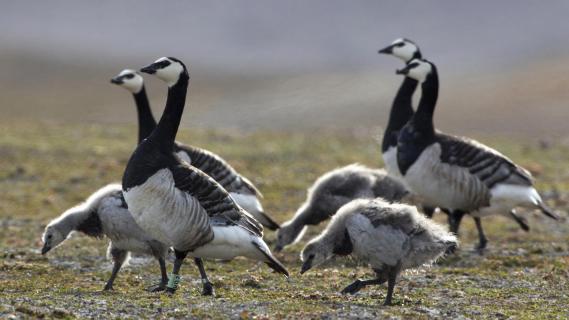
[
  {"x": 482, "y": 240},
  {"x": 119, "y": 256},
  {"x": 360, "y": 284},
  {"x": 175, "y": 278},
  {"x": 454, "y": 220},
  {"x": 391, "y": 278},
  {"x": 207, "y": 286},
  {"x": 164, "y": 274}
]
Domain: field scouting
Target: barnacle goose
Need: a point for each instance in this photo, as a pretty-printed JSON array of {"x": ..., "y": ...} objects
[
  {"x": 181, "y": 205},
  {"x": 239, "y": 187},
  {"x": 334, "y": 189},
  {"x": 105, "y": 213},
  {"x": 456, "y": 172},
  {"x": 390, "y": 237}
]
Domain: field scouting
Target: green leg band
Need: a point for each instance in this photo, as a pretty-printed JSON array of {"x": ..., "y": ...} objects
[{"x": 174, "y": 281}]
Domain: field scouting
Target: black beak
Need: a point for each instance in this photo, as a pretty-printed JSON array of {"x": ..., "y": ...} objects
[
  {"x": 45, "y": 249},
  {"x": 278, "y": 248},
  {"x": 307, "y": 265},
  {"x": 386, "y": 50},
  {"x": 150, "y": 69},
  {"x": 117, "y": 80}
]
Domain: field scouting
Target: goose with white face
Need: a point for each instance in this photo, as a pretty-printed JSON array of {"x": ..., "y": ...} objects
[
  {"x": 418, "y": 69},
  {"x": 403, "y": 49},
  {"x": 130, "y": 80},
  {"x": 167, "y": 69}
]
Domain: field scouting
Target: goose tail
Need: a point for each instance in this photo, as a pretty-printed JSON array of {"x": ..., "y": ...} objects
[
  {"x": 547, "y": 211},
  {"x": 270, "y": 260}
]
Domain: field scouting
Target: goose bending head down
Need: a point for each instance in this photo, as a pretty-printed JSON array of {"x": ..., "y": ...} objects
[{"x": 178, "y": 203}]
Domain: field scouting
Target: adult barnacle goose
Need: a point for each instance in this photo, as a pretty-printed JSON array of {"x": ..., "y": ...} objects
[
  {"x": 334, "y": 189},
  {"x": 105, "y": 213},
  {"x": 239, "y": 187},
  {"x": 456, "y": 172},
  {"x": 181, "y": 205},
  {"x": 390, "y": 237},
  {"x": 401, "y": 112}
]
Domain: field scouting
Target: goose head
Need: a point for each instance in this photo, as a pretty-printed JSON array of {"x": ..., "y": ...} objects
[
  {"x": 315, "y": 253},
  {"x": 168, "y": 69},
  {"x": 130, "y": 80},
  {"x": 418, "y": 69},
  {"x": 403, "y": 49},
  {"x": 51, "y": 238}
]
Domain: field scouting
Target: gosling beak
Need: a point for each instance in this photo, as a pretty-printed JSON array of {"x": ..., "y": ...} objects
[
  {"x": 45, "y": 249},
  {"x": 150, "y": 69},
  {"x": 386, "y": 50},
  {"x": 278, "y": 248},
  {"x": 307, "y": 265}
]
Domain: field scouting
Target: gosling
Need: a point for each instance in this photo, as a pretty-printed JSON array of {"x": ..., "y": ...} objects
[
  {"x": 105, "y": 213},
  {"x": 333, "y": 190},
  {"x": 390, "y": 237}
]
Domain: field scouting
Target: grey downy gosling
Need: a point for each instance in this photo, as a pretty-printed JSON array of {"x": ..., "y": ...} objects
[
  {"x": 241, "y": 189},
  {"x": 458, "y": 173},
  {"x": 401, "y": 112},
  {"x": 179, "y": 204},
  {"x": 334, "y": 189},
  {"x": 105, "y": 213},
  {"x": 389, "y": 237}
]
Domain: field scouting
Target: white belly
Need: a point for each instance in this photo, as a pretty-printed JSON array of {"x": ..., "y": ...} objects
[
  {"x": 166, "y": 213},
  {"x": 506, "y": 197},
  {"x": 250, "y": 203},
  {"x": 228, "y": 243},
  {"x": 436, "y": 183}
]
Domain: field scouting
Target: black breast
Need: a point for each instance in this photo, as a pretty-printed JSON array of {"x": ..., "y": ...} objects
[{"x": 91, "y": 226}]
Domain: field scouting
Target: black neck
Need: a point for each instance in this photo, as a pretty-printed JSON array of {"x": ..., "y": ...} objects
[
  {"x": 165, "y": 132},
  {"x": 401, "y": 112},
  {"x": 146, "y": 122},
  {"x": 423, "y": 118}
]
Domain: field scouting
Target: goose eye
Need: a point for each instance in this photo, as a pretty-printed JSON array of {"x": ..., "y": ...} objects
[
  {"x": 129, "y": 76},
  {"x": 400, "y": 44},
  {"x": 49, "y": 236}
]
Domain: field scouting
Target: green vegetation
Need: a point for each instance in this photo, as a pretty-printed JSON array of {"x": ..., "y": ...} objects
[{"x": 45, "y": 169}]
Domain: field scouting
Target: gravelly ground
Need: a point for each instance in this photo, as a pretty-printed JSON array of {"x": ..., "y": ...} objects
[{"x": 46, "y": 169}]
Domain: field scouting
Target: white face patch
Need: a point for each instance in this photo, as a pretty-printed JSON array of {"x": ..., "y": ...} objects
[
  {"x": 420, "y": 71},
  {"x": 404, "y": 49},
  {"x": 171, "y": 73},
  {"x": 131, "y": 80}
]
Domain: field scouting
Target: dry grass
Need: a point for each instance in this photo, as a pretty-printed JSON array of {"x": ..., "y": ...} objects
[{"x": 47, "y": 168}]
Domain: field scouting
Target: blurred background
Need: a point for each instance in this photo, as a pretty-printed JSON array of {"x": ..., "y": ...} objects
[{"x": 290, "y": 65}]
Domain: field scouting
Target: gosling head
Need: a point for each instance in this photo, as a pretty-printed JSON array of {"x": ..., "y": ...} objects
[
  {"x": 130, "y": 80},
  {"x": 314, "y": 254},
  {"x": 418, "y": 69},
  {"x": 288, "y": 233},
  {"x": 403, "y": 49},
  {"x": 168, "y": 69},
  {"x": 51, "y": 238}
]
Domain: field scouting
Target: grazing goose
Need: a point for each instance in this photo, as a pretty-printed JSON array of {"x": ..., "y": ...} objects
[
  {"x": 334, "y": 189},
  {"x": 455, "y": 172},
  {"x": 401, "y": 112},
  {"x": 105, "y": 214},
  {"x": 181, "y": 205},
  {"x": 239, "y": 187},
  {"x": 390, "y": 237}
]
